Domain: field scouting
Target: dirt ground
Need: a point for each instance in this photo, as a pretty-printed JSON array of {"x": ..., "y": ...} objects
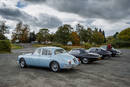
[{"x": 114, "y": 72}]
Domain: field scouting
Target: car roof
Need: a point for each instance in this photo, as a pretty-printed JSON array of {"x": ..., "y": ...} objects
[
  {"x": 78, "y": 49},
  {"x": 94, "y": 48},
  {"x": 51, "y": 47}
]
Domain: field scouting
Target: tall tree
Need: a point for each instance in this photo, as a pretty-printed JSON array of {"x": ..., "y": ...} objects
[
  {"x": 3, "y": 30},
  {"x": 24, "y": 36},
  {"x": 43, "y": 35},
  {"x": 75, "y": 38},
  {"x": 98, "y": 37},
  {"x": 32, "y": 36},
  {"x": 115, "y": 35},
  {"x": 21, "y": 33},
  {"x": 63, "y": 34}
]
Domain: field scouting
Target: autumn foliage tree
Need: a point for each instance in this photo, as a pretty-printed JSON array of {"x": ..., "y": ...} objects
[
  {"x": 75, "y": 38},
  {"x": 21, "y": 33},
  {"x": 98, "y": 37}
]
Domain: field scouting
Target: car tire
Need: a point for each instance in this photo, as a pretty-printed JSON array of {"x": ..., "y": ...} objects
[
  {"x": 113, "y": 55},
  {"x": 84, "y": 61},
  {"x": 54, "y": 66},
  {"x": 22, "y": 63}
]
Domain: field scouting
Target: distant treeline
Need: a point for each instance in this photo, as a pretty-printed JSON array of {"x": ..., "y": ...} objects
[{"x": 66, "y": 34}]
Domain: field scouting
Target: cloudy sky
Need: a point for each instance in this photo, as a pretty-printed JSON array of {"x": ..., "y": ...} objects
[{"x": 109, "y": 15}]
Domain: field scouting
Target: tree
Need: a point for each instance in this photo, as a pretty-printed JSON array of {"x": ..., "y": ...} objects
[
  {"x": 110, "y": 39},
  {"x": 63, "y": 34},
  {"x": 3, "y": 30},
  {"x": 85, "y": 35},
  {"x": 32, "y": 36},
  {"x": 98, "y": 37},
  {"x": 124, "y": 35},
  {"x": 43, "y": 35},
  {"x": 24, "y": 36},
  {"x": 52, "y": 37},
  {"x": 75, "y": 38},
  {"x": 115, "y": 35},
  {"x": 21, "y": 33}
]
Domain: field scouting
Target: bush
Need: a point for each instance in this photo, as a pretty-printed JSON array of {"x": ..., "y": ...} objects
[
  {"x": 5, "y": 46},
  {"x": 57, "y": 45},
  {"x": 120, "y": 43},
  {"x": 87, "y": 45}
]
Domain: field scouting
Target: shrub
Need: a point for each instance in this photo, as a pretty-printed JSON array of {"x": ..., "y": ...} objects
[
  {"x": 5, "y": 46},
  {"x": 87, "y": 45},
  {"x": 57, "y": 45},
  {"x": 120, "y": 43}
]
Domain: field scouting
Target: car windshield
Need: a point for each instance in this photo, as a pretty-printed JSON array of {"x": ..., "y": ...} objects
[{"x": 58, "y": 51}]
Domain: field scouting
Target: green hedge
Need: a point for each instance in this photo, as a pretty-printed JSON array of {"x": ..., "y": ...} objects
[
  {"x": 87, "y": 45},
  {"x": 5, "y": 46},
  {"x": 121, "y": 43}
]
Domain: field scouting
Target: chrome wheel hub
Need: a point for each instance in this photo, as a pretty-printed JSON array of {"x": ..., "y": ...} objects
[
  {"x": 54, "y": 67},
  {"x": 85, "y": 60}
]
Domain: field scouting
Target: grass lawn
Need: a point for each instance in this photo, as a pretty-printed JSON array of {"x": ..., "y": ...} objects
[
  {"x": 14, "y": 46},
  {"x": 3, "y": 52}
]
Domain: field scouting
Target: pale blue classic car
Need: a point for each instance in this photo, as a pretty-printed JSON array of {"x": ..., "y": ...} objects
[{"x": 54, "y": 58}]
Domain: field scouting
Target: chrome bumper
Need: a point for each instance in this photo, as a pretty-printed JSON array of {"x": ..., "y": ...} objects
[{"x": 70, "y": 66}]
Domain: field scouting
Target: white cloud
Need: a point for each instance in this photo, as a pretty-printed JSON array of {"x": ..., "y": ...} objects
[{"x": 71, "y": 14}]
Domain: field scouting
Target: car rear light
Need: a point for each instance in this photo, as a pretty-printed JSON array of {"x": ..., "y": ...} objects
[
  {"x": 78, "y": 59},
  {"x": 69, "y": 61}
]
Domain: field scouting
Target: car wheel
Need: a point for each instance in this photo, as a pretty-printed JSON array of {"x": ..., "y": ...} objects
[
  {"x": 22, "y": 63},
  {"x": 84, "y": 60},
  {"x": 113, "y": 55},
  {"x": 55, "y": 67}
]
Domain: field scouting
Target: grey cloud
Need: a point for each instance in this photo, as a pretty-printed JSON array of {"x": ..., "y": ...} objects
[
  {"x": 106, "y": 9},
  {"x": 43, "y": 21}
]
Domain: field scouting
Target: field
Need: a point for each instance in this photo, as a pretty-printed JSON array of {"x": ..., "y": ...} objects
[{"x": 113, "y": 72}]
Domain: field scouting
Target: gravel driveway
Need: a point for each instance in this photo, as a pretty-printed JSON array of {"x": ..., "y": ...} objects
[{"x": 114, "y": 72}]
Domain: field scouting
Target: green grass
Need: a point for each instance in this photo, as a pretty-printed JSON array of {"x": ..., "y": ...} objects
[
  {"x": 3, "y": 52},
  {"x": 14, "y": 46},
  {"x": 39, "y": 45}
]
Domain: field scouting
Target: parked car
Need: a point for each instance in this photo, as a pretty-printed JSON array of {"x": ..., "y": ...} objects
[
  {"x": 54, "y": 58},
  {"x": 102, "y": 52},
  {"x": 84, "y": 56},
  {"x": 114, "y": 51}
]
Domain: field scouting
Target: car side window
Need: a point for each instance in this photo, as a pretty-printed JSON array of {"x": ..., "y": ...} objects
[
  {"x": 49, "y": 52},
  {"x": 46, "y": 52},
  {"x": 75, "y": 52},
  {"x": 37, "y": 52},
  {"x": 98, "y": 50},
  {"x": 92, "y": 50}
]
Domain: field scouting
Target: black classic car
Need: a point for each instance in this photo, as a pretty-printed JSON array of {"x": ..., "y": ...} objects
[
  {"x": 102, "y": 52},
  {"x": 84, "y": 56},
  {"x": 114, "y": 51}
]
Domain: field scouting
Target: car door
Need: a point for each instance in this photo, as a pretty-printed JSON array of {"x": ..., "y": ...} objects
[
  {"x": 34, "y": 59},
  {"x": 45, "y": 58}
]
